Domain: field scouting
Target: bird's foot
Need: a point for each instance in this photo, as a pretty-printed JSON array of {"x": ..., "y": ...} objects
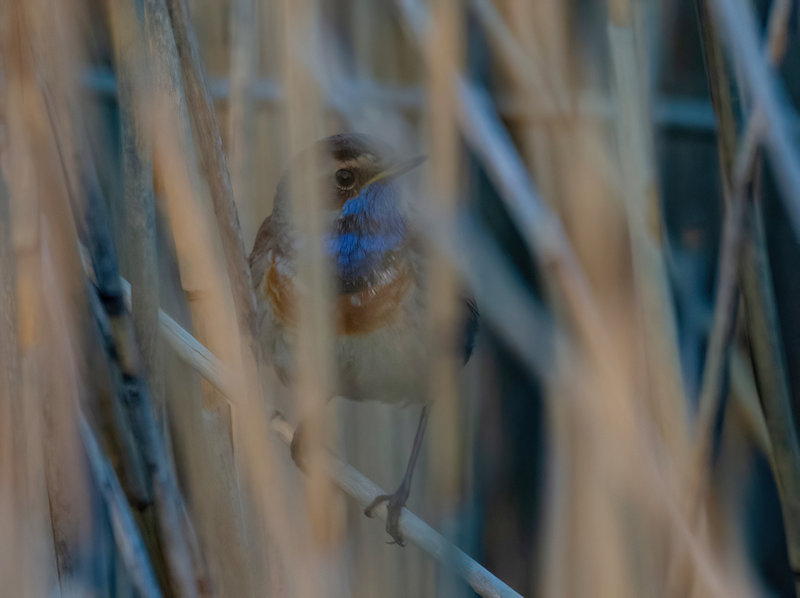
[{"x": 394, "y": 506}]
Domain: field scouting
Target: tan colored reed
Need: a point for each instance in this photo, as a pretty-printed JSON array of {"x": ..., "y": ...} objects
[{"x": 620, "y": 474}]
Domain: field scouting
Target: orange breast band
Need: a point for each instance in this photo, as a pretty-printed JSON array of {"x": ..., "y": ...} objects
[{"x": 356, "y": 313}]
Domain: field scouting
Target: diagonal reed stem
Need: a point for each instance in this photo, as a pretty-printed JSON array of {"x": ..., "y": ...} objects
[
  {"x": 126, "y": 533},
  {"x": 412, "y": 527},
  {"x": 743, "y": 251}
]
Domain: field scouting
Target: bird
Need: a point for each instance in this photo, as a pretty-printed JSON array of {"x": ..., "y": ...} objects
[{"x": 372, "y": 244}]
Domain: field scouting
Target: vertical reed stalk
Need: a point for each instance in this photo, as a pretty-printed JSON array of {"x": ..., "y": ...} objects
[
  {"x": 540, "y": 138},
  {"x": 770, "y": 372},
  {"x": 755, "y": 280},
  {"x": 263, "y": 475},
  {"x": 12, "y": 488},
  {"x": 129, "y": 541},
  {"x": 642, "y": 204},
  {"x": 241, "y": 110},
  {"x": 31, "y": 176},
  {"x": 224, "y": 530},
  {"x": 175, "y": 533},
  {"x": 139, "y": 215},
  {"x": 315, "y": 376},
  {"x": 443, "y": 58}
]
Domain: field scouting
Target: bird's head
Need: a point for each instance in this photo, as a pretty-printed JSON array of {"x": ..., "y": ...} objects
[{"x": 365, "y": 215}]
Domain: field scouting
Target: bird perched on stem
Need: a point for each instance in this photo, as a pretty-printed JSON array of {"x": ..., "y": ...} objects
[{"x": 378, "y": 264}]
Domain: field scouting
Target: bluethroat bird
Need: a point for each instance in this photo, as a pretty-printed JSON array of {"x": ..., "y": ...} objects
[{"x": 379, "y": 308}]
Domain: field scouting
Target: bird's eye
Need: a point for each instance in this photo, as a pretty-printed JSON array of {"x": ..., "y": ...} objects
[{"x": 345, "y": 179}]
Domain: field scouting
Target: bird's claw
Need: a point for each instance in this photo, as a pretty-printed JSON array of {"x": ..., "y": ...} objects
[{"x": 394, "y": 506}]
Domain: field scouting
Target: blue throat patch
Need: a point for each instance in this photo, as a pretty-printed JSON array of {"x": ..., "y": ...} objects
[{"x": 370, "y": 226}]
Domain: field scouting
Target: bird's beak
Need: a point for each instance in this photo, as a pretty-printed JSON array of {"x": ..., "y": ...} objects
[{"x": 396, "y": 169}]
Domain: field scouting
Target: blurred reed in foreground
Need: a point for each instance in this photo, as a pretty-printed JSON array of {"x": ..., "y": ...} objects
[{"x": 590, "y": 446}]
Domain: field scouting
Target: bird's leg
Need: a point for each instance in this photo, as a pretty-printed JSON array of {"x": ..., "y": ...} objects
[{"x": 396, "y": 501}]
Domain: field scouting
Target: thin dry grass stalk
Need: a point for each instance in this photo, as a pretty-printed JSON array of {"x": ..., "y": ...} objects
[
  {"x": 738, "y": 169},
  {"x": 643, "y": 208},
  {"x": 414, "y": 529},
  {"x": 444, "y": 57},
  {"x": 538, "y": 28},
  {"x": 12, "y": 489},
  {"x": 771, "y": 375},
  {"x": 186, "y": 569},
  {"x": 523, "y": 63},
  {"x": 241, "y": 109},
  {"x": 139, "y": 237},
  {"x": 551, "y": 248},
  {"x": 748, "y": 401},
  {"x": 262, "y": 477},
  {"x": 24, "y": 510},
  {"x": 314, "y": 379},
  {"x": 193, "y": 353},
  {"x": 14, "y": 510},
  {"x": 214, "y": 168},
  {"x": 224, "y": 516},
  {"x": 512, "y": 313},
  {"x": 126, "y": 534},
  {"x": 738, "y": 30},
  {"x": 176, "y": 535},
  {"x": 55, "y": 517}
]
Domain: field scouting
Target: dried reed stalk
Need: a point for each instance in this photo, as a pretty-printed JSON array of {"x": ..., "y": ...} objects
[
  {"x": 771, "y": 376},
  {"x": 737, "y": 168},
  {"x": 24, "y": 511},
  {"x": 753, "y": 271},
  {"x": 214, "y": 168},
  {"x": 193, "y": 353},
  {"x": 524, "y": 63},
  {"x": 252, "y": 424},
  {"x": 551, "y": 248},
  {"x": 764, "y": 329},
  {"x": 241, "y": 109},
  {"x": 176, "y": 535},
  {"x": 413, "y": 528},
  {"x": 444, "y": 57},
  {"x": 738, "y": 31},
  {"x": 375, "y": 439},
  {"x": 187, "y": 575},
  {"x": 64, "y": 317},
  {"x": 135, "y": 479},
  {"x": 12, "y": 466},
  {"x": 642, "y": 205},
  {"x": 314, "y": 348},
  {"x": 139, "y": 216},
  {"x": 55, "y": 518},
  {"x": 542, "y": 32},
  {"x": 126, "y": 533},
  {"x": 726, "y": 292},
  {"x": 219, "y": 492},
  {"x": 283, "y": 541},
  {"x": 748, "y": 401}
]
